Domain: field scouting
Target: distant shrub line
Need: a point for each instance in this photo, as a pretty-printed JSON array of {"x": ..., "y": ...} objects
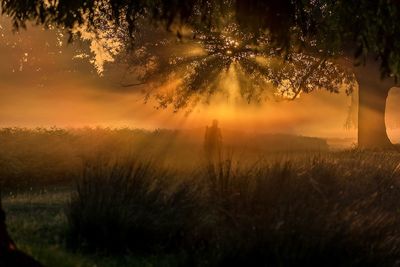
[{"x": 53, "y": 156}]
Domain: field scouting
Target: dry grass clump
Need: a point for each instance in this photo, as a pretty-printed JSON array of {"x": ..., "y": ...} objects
[
  {"x": 130, "y": 205},
  {"x": 331, "y": 209}
]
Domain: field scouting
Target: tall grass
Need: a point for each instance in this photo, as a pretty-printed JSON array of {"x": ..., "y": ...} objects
[
  {"x": 327, "y": 210},
  {"x": 130, "y": 205}
]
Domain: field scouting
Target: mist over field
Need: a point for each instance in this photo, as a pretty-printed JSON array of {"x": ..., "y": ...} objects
[
  {"x": 45, "y": 84},
  {"x": 199, "y": 133}
]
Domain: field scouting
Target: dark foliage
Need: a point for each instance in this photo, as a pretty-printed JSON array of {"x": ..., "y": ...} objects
[
  {"x": 114, "y": 208},
  {"x": 360, "y": 27},
  {"x": 312, "y": 211}
]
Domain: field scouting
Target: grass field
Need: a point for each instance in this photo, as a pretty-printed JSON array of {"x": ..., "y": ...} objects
[
  {"x": 37, "y": 223},
  {"x": 131, "y": 209}
]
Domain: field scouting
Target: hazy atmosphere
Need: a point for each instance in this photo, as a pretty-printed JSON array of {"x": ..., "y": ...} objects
[
  {"x": 201, "y": 133},
  {"x": 47, "y": 81}
]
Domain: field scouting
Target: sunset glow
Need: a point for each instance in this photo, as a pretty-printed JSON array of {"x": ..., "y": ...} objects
[{"x": 74, "y": 95}]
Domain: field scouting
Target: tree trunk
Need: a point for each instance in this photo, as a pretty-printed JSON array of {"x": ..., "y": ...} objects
[
  {"x": 371, "y": 118},
  {"x": 372, "y": 92}
]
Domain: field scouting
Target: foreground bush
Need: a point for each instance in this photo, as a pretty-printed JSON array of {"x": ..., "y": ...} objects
[
  {"x": 129, "y": 205},
  {"x": 331, "y": 210}
]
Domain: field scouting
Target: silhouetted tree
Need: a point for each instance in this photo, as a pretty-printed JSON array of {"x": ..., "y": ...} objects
[{"x": 365, "y": 31}]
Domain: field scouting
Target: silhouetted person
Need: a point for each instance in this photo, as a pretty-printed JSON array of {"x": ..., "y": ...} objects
[
  {"x": 10, "y": 256},
  {"x": 213, "y": 143}
]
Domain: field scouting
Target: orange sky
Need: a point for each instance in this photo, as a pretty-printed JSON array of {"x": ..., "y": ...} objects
[{"x": 43, "y": 83}]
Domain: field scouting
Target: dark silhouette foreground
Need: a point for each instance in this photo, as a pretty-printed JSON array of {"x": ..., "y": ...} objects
[{"x": 10, "y": 256}]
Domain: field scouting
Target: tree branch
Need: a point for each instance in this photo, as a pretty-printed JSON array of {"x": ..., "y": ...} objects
[
  {"x": 132, "y": 84},
  {"x": 306, "y": 76}
]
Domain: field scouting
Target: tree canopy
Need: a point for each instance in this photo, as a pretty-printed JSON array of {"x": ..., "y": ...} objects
[
  {"x": 291, "y": 46},
  {"x": 287, "y": 44},
  {"x": 199, "y": 66},
  {"x": 360, "y": 27}
]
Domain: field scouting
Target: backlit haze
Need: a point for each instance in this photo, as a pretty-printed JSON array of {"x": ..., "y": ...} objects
[{"x": 45, "y": 81}]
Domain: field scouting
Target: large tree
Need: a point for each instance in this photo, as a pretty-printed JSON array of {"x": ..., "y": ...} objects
[{"x": 320, "y": 32}]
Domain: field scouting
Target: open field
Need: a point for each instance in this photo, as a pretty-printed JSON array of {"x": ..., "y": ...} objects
[
  {"x": 31, "y": 157},
  {"x": 104, "y": 204}
]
